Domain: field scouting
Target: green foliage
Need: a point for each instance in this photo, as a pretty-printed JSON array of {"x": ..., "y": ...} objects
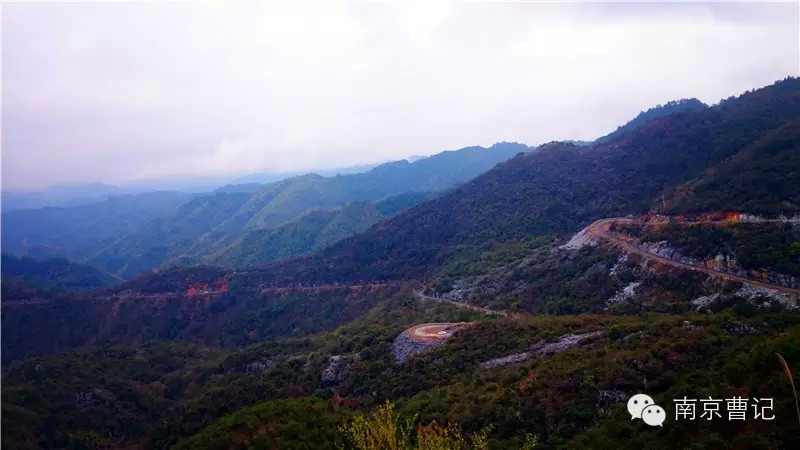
[
  {"x": 531, "y": 276},
  {"x": 159, "y": 392},
  {"x": 156, "y": 394},
  {"x": 77, "y": 232},
  {"x": 93, "y": 398},
  {"x": 298, "y": 423},
  {"x": 235, "y": 318},
  {"x": 51, "y": 274},
  {"x": 384, "y": 429},
  {"x": 754, "y": 246},
  {"x": 311, "y": 232},
  {"x": 381, "y": 430},
  {"x": 763, "y": 177},
  {"x": 656, "y": 112},
  {"x": 129, "y": 235},
  {"x": 751, "y": 369}
]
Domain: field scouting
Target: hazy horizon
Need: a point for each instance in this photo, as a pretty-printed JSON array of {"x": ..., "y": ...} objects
[{"x": 118, "y": 92}]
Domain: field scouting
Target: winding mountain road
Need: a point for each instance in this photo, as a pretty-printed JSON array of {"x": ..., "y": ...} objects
[
  {"x": 420, "y": 295},
  {"x": 600, "y": 229},
  {"x": 437, "y": 331}
]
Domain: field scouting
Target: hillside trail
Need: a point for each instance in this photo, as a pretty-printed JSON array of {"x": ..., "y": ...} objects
[
  {"x": 420, "y": 295},
  {"x": 600, "y": 230}
]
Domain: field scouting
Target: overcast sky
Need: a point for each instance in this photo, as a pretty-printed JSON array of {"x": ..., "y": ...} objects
[{"x": 116, "y": 92}]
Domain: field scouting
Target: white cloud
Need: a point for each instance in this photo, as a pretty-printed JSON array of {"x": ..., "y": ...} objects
[{"x": 111, "y": 92}]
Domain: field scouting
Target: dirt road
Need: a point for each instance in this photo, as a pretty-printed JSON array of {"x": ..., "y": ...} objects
[
  {"x": 420, "y": 295},
  {"x": 430, "y": 332},
  {"x": 600, "y": 230}
]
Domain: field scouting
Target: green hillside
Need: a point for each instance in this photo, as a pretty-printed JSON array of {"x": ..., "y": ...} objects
[
  {"x": 559, "y": 188},
  {"x": 669, "y": 108},
  {"x": 78, "y": 231},
  {"x": 762, "y": 178},
  {"x": 129, "y": 235},
  {"x": 25, "y": 277},
  {"x": 162, "y": 394},
  {"x": 207, "y": 224},
  {"x": 309, "y": 233}
]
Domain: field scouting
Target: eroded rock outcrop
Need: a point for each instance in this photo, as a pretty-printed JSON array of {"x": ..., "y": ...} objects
[
  {"x": 405, "y": 347},
  {"x": 624, "y": 295},
  {"x": 579, "y": 240},
  {"x": 740, "y": 329},
  {"x": 543, "y": 348},
  {"x": 766, "y": 297},
  {"x": 338, "y": 368}
]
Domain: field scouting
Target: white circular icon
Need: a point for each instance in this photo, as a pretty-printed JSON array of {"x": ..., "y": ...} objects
[
  {"x": 637, "y": 403},
  {"x": 654, "y": 416}
]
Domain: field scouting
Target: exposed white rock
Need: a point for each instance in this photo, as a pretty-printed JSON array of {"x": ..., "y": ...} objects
[
  {"x": 543, "y": 348},
  {"x": 625, "y": 294},
  {"x": 564, "y": 342},
  {"x": 766, "y": 297},
  {"x": 703, "y": 302},
  {"x": 405, "y": 347},
  {"x": 579, "y": 240},
  {"x": 514, "y": 358},
  {"x": 750, "y": 218},
  {"x": 690, "y": 326},
  {"x": 665, "y": 250},
  {"x": 740, "y": 329},
  {"x": 261, "y": 365},
  {"x": 463, "y": 288},
  {"x": 338, "y": 368},
  {"x": 620, "y": 261},
  {"x": 794, "y": 219}
]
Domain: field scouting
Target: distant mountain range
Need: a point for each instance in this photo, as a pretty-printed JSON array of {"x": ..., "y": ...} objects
[
  {"x": 65, "y": 195},
  {"x": 147, "y": 231},
  {"x": 309, "y": 233},
  {"x": 73, "y": 194},
  {"x": 21, "y": 276},
  {"x": 78, "y": 231},
  {"x": 677, "y": 154},
  {"x": 561, "y": 188}
]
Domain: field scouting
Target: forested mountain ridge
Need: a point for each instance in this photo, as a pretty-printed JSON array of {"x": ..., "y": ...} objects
[
  {"x": 559, "y": 188},
  {"x": 65, "y": 195},
  {"x": 78, "y": 231},
  {"x": 309, "y": 233},
  {"x": 203, "y": 224},
  {"x": 762, "y": 178},
  {"x": 153, "y": 395},
  {"x": 671, "y": 107},
  {"x": 51, "y": 274}
]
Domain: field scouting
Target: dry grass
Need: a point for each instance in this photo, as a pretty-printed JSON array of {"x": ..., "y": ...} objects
[{"x": 788, "y": 373}]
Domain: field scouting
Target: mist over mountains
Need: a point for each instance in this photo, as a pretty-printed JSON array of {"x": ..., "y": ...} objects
[{"x": 164, "y": 227}]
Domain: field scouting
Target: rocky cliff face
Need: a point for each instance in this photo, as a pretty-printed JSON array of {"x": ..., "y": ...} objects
[
  {"x": 405, "y": 347},
  {"x": 339, "y": 366},
  {"x": 543, "y": 348}
]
